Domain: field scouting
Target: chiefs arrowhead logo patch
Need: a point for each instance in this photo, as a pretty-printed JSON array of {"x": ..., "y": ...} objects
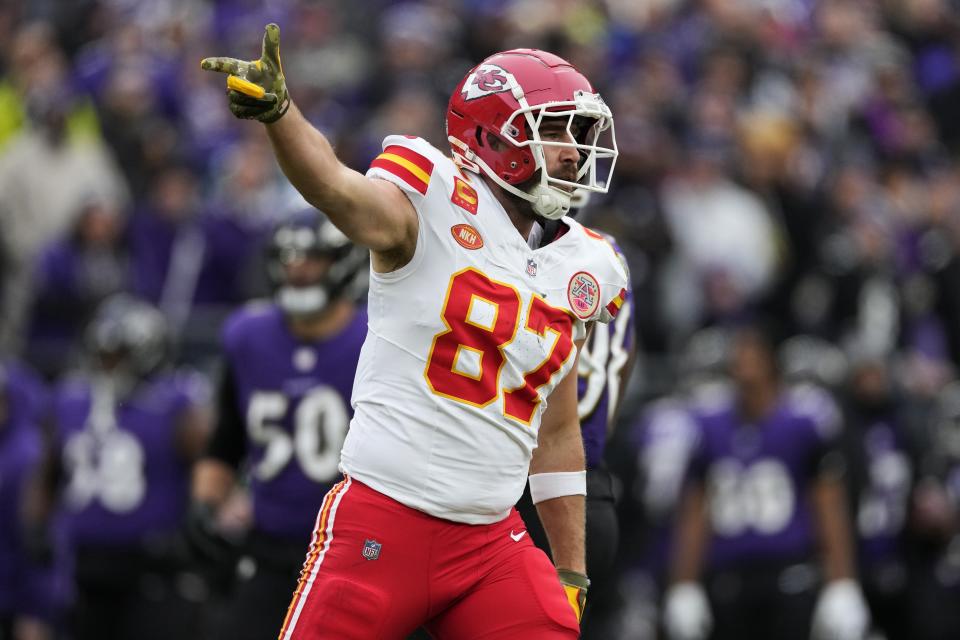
[
  {"x": 583, "y": 293},
  {"x": 466, "y": 236}
]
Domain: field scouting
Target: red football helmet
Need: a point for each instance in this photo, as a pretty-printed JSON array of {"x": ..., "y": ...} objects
[{"x": 508, "y": 95}]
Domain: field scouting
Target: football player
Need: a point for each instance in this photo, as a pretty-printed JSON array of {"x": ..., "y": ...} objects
[
  {"x": 934, "y": 555},
  {"x": 764, "y": 513},
  {"x": 467, "y": 380},
  {"x": 651, "y": 457},
  {"x": 30, "y": 599},
  {"x": 606, "y": 362},
  {"x": 127, "y": 430},
  {"x": 284, "y": 407},
  {"x": 882, "y": 454}
]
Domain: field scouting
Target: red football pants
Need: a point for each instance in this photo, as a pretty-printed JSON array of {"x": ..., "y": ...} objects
[{"x": 377, "y": 570}]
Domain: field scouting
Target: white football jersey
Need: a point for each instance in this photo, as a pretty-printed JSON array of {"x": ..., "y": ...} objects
[{"x": 466, "y": 342}]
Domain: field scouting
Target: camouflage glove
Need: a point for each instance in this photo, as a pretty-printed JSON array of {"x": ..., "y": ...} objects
[
  {"x": 575, "y": 585},
  {"x": 256, "y": 88}
]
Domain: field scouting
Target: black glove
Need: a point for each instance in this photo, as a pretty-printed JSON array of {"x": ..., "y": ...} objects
[{"x": 204, "y": 538}]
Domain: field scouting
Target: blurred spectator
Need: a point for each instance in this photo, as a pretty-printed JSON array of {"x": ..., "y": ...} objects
[
  {"x": 72, "y": 276},
  {"x": 46, "y": 169},
  {"x": 726, "y": 240},
  {"x": 194, "y": 261}
]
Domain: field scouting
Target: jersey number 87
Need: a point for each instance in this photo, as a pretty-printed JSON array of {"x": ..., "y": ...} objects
[{"x": 481, "y": 316}]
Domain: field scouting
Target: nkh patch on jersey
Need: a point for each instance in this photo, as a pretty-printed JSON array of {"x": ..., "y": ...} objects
[
  {"x": 466, "y": 236},
  {"x": 406, "y": 164}
]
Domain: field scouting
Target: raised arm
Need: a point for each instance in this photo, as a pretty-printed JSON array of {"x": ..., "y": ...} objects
[{"x": 372, "y": 213}]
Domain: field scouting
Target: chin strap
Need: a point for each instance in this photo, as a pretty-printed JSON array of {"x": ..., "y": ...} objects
[
  {"x": 546, "y": 201},
  {"x": 550, "y": 202}
]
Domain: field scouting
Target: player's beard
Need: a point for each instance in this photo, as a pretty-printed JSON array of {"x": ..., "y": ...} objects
[
  {"x": 567, "y": 173},
  {"x": 564, "y": 172}
]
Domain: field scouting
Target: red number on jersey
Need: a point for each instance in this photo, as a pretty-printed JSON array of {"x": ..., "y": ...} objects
[
  {"x": 466, "y": 359},
  {"x": 520, "y": 403},
  {"x": 466, "y": 339}
]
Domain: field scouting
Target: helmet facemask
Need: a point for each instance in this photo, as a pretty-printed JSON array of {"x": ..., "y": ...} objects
[
  {"x": 551, "y": 196},
  {"x": 340, "y": 277},
  {"x": 126, "y": 341}
]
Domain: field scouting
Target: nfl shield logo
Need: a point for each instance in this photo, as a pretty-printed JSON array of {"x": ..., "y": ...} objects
[
  {"x": 371, "y": 549},
  {"x": 531, "y": 267}
]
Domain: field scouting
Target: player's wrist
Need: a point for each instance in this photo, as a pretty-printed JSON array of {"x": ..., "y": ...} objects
[
  {"x": 557, "y": 484},
  {"x": 575, "y": 585},
  {"x": 573, "y": 578},
  {"x": 282, "y": 108}
]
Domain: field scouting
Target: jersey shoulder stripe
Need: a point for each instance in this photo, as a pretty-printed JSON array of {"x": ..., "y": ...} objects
[
  {"x": 406, "y": 164},
  {"x": 613, "y": 308},
  {"x": 606, "y": 266}
]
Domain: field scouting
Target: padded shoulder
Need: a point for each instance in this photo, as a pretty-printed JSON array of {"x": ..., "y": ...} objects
[
  {"x": 247, "y": 320},
  {"x": 607, "y": 266},
  {"x": 410, "y": 163}
]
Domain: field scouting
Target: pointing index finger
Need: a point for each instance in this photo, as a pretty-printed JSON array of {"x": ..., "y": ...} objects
[{"x": 221, "y": 65}]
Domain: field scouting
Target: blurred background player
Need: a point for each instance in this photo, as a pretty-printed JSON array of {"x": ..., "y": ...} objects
[
  {"x": 883, "y": 465},
  {"x": 650, "y": 456},
  {"x": 933, "y": 527},
  {"x": 127, "y": 431},
  {"x": 284, "y": 408},
  {"x": 31, "y": 587},
  {"x": 605, "y": 365},
  {"x": 763, "y": 524}
]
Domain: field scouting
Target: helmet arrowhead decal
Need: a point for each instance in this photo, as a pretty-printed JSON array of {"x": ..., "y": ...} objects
[{"x": 484, "y": 80}]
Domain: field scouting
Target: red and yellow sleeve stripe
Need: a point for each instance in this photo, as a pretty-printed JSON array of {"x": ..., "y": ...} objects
[
  {"x": 406, "y": 164},
  {"x": 613, "y": 307}
]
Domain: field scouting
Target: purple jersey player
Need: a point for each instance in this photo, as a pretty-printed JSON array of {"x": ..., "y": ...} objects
[
  {"x": 764, "y": 503},
  {"x": 284, "y": 408},
  {"x": 127, "y": 431},
  {"x": 127, "y": 479},
  {"x": 31, "y": 591}
]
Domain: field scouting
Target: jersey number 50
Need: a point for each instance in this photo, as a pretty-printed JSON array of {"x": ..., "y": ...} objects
[
  {"x": 482, "y": 339},
  {"x": 319, "y": 426}
]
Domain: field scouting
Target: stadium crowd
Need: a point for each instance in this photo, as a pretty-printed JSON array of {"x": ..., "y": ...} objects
[{"x": 784, "y": 164}]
